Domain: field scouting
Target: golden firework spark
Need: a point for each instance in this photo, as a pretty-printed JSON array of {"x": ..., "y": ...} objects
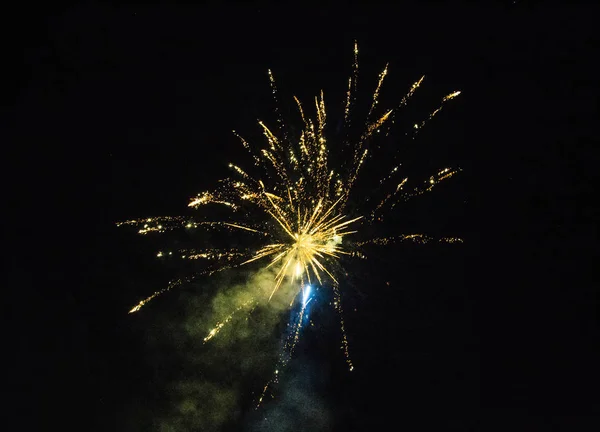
[{"x": 295, "y": 207}]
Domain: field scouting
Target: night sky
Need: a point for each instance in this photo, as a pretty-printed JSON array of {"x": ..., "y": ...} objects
[{"x": 117, "y": 113}]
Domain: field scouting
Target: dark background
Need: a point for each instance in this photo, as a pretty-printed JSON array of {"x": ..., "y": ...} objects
[{"x": 118, "y": 112}]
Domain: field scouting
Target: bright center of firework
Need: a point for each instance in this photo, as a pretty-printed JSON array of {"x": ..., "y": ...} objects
[
  {"x": 306, "y": 294},
  {"x": 304, "y": 249},
  {"x": 313, "y": 239},
  {"x": 304, "y": 241}
]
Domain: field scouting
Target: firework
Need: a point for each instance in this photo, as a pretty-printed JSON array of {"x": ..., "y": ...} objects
[{"x": 292, "y": 203}]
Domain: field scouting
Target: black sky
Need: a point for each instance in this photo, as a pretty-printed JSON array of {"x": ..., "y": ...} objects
[{"x": 119, "y": 112}]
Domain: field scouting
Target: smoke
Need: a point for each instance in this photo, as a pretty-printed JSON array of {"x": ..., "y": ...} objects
[
  {"x": 334, "y": 241},
  {"x": 207, "y": 386}
]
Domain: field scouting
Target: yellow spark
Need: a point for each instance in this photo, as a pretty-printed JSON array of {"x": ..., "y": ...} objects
[
  {"x": 376, "y": 93},
  {"x": 437, "y": 110},
  {"x": 208, "y": 198},
  {"x": 451, "y": 95},
  {"x": 217, "y": 328}
]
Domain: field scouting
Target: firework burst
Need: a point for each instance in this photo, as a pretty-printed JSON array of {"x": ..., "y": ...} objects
[{"x": 293, "y": 204}]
